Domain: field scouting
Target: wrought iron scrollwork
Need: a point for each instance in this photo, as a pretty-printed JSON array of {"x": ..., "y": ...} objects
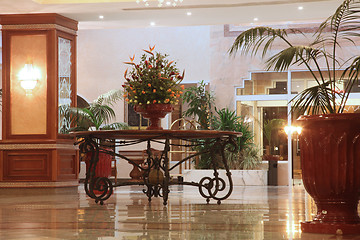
[
  {"x": 156, "y": 168},
  {"x": 98, "y": 188},
  {"x": 209, "y": 187}
]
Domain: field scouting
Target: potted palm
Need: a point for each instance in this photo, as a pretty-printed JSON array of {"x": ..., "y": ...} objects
[
  {"x": 97, "y": 116},
  {"x": 329, "y": 142}
]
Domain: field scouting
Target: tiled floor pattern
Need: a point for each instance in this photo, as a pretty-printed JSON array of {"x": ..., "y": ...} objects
[{"x": 252, "y": 212}]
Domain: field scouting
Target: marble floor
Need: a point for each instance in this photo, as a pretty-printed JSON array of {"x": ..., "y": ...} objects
[{"x": 252, "y": 212}]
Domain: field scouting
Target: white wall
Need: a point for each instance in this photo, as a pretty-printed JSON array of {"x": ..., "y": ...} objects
[{"x": 102, "y": 53}]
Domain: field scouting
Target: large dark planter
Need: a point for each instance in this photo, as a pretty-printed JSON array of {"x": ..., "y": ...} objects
[
  {"x": 103, "y": 167},
  {"x": 330, "y": 162},
  {"x": 154, "y": 112}
]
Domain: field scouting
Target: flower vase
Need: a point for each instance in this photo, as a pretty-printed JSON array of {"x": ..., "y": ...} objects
[{"x": 154, "y": 112}]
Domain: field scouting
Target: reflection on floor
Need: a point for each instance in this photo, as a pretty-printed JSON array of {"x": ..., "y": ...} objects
[{"x": 250, "y": 213}]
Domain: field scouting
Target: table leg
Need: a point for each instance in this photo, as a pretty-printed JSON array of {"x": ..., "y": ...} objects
[
  {"x": 209, "y": 187},
  {"x": 167, "y": 173},
  {"x": 99, "y": 188}
]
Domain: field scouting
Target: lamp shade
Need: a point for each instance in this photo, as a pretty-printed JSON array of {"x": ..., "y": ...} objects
[{"x": 28, "y": 76}]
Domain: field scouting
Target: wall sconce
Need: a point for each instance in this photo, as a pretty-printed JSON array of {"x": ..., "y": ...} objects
[
  {"x": 29, "y": 76},
  {"x": 292, "y": 129}
]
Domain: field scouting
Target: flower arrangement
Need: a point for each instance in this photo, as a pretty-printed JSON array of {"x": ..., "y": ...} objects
[{"x": 153, "y": 80}]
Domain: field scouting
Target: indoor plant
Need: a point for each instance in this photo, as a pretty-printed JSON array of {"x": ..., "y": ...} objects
[
  {"x": 200, "y": 103},
  {"x": 270, "y": 127},
  {"x": 226, "y": 120},
  {"x": 153, "y": 85},
  {"x": 330, "y": 149},
  {"x": 244, "y": 160},
  {"x": 97, "y": 116}
]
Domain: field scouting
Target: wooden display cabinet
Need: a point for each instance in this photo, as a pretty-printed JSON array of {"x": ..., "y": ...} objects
[{"x": 38, "y": 80}]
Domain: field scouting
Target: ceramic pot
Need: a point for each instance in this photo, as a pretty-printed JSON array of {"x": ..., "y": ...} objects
[
  {"x": 330, "y": 163},
  {"x": 154, "y": 112},
  {"x": 103, "y": 166}
]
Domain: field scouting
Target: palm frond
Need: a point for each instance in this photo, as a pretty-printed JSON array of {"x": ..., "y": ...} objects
[
  {"x": 293, "y": 55},
  {"x": 271, "y": 125},
  {"x": 342, "y": 24},
  {"x": 110, "y": 97},
  {"x": 250, "y": 157},
  {"x": 320, "y": 54},
  {"x": 254, "y": 38},
  {"x": 80, "y": 118},
  {"x": 350, "y": 77},
  {"x": 102, "y": 113},
  {"x": 314, "y": 100},
  {"x": 115, "y": 126}
]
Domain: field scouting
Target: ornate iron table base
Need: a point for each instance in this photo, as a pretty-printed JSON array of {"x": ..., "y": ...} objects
[{"x": 156, "y": 169}]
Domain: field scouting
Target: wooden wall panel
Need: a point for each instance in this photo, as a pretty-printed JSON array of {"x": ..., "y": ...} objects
[
  {"x": 68, "y": 164},
  {"x": 28, "y": 109},
  {"x": 27, "y": 165}
]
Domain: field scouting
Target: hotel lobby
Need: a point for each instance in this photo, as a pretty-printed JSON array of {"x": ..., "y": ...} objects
[{"x": 83, "y": 49}]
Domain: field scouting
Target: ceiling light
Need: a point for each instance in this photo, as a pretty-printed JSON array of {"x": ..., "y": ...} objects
[
  {"x": 152, "y": 24},
  {"x": 101, "y": 17},
  {"x": 188, "y": 13},
  {"x": 256, "y": 19},
  {"x": 300, "y": 8},
  {"x": 160, "y": 3}
]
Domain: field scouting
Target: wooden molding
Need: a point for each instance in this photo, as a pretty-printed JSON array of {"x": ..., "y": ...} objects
[
  {"x": 38, "y": 19},
  {"x": 234, "y": 31},
  {"x": 39, "y": 184}
]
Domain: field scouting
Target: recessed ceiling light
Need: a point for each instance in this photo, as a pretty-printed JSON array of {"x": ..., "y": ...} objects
[
  {"x": 188, "y": 13},
  {"x": 152, "y": 24},
  {"x": 101, "y": 17},
  {"x": 300, "y": 8},
  {"x": 256, "y": 19}
]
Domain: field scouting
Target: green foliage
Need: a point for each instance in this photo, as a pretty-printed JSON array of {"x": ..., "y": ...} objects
[
  {"x": 319, "y": 58},
  {"x": 200, "y": 104},
  {"x": 270, "y": 126},
  {"x": 153, "y": 80},
  {"x": 97, "y": 115},
  {"x": 227, "y": 120},
  {"x": 245, "y": 156},
  {"x": 250, "y": 158}
]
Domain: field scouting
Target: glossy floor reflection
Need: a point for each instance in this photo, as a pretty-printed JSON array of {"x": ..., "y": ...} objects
[{"x": 250, "y": 213}]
